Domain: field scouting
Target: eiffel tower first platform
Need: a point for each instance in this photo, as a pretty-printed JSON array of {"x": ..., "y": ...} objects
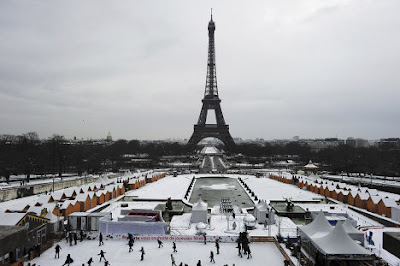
[{"x": 211, "y": 101}]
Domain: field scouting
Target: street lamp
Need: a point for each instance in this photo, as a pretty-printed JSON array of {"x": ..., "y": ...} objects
[{"x": 58, "y": 214}]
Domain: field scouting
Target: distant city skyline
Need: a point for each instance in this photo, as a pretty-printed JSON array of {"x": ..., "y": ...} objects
[{"x": 313, "y": 69}]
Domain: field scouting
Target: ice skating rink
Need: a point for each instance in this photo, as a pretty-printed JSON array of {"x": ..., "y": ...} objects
[{"x": 188, "y": 252}]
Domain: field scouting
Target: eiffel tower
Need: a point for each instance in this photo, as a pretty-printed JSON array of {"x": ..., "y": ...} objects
[{"x": 211, "y": 101}]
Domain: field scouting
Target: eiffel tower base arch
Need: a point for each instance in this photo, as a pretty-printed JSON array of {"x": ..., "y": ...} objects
[{"x": 220, "y": 132}]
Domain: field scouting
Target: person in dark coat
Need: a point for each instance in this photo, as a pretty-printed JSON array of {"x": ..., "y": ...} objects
[
  {"x": 75, "y": 238},
  {"x": 217, "y": 246},
  {"x": 101, "y": 254},
  {"x": 198, "y": 263},
  {"x": 205, "y": 239},
  {"x": 248, "y": 252},
  {"x": 239, "y": 247},
  {"x": 130, "y": 244},
  {"x": 244, "y": 246},
  {"x": 160, "y": 243},
  {"x": 90, "y": 261},
  {"x": 69, "y": 260},
  {"x": 142, "y": 255},
  {"x": 101, "y": 239},
  {"x": 174, "y": 247},
  {"x": 70, "y": 238},
  {"x": 212, "y": 256},
  {"x": 38, "y": 249},
  {"x": 57, "y": 248},
  {"x": 106, "y": 263},
  {"x": 81, "y": 235}
]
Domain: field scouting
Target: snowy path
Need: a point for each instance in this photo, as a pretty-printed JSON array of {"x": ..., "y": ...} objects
[
  {"x": 188, "y": 252},
  {"x": 212, "y": 163}
]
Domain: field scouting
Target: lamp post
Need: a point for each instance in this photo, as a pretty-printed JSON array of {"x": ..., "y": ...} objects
[{"x": 58, "y": 214}]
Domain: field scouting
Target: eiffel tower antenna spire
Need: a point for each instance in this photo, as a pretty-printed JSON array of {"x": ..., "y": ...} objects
[{"x": 211, "y": 89}]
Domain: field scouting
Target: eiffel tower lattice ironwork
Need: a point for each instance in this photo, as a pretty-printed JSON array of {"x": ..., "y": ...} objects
[{"x": 211, "y": 101}]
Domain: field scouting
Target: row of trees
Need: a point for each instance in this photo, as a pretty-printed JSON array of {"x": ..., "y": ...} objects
[
  {"x": 342, "y": 158},
  {"x": 27, "y": 154}
]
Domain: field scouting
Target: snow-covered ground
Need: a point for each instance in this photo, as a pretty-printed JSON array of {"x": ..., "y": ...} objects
[
  {"x": 362, "y": 220},
  {"x": 174, "y": 187},
  {"x": 377, "y": 237},
  {"x": 269, "y": 189},
  {"x": 188, "y": 252}
]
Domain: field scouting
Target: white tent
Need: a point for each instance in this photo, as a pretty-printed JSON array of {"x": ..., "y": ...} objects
[
  {"x": 353, "y": 232},
  {"x": 263, "y": 213},
  {"x": 199, "y": 212},
  {"x": 260, "y": 211},
  {"x": 310, "y": 166},
  {"x": 317, "y": 228},
  {"x": 338, "y": 242},
  {"x": 324, "y": 244}
]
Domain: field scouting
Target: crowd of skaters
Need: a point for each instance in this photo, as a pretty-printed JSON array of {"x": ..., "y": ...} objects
[{"x": 71, "y": 238}]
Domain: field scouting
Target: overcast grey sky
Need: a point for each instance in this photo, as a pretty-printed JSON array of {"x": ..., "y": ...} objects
[{"x": 137, "y": 68}]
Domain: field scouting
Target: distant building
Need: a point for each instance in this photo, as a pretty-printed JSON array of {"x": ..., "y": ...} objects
[
  {"x": 321, "y": 144},
  {"x": 357, "y": 143},
  {"x": 109, "y": 137},
  {"x": 390, "y": 144}
]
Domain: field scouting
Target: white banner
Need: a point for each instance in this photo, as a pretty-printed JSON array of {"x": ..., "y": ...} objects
[{"x": 195, "y": 238}]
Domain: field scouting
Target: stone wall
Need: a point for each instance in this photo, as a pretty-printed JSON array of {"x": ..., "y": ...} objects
[{"x": 13, "y": 193}]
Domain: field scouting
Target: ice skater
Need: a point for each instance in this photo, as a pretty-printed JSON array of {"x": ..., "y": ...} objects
[
  {"x": 160, "y": 243},
  {"x": 173, "y": 260},
  {"x": 101, "y": 239},
  {"x": 75, "y": 238},
  {"x": 239, "y": 247},
  {"x": 248, "y": 252},
  {"x": 81, "y": 235},
  {"x": 106, "y": 263},
  {"x": 130, "y": 244},
  {"x": 101, "y": 254},
  {"x": 142, "y": 255},
  {"x": 217, "y": 246},
  {"x": 57, "y": 248},
  {"x": 90, "y": 261},
  {"x": 212, "y": 256},
  {"x": 199, "y": 263},
  {"x": 174, "y": 247},
  {"x": 69, "y": 260}
]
